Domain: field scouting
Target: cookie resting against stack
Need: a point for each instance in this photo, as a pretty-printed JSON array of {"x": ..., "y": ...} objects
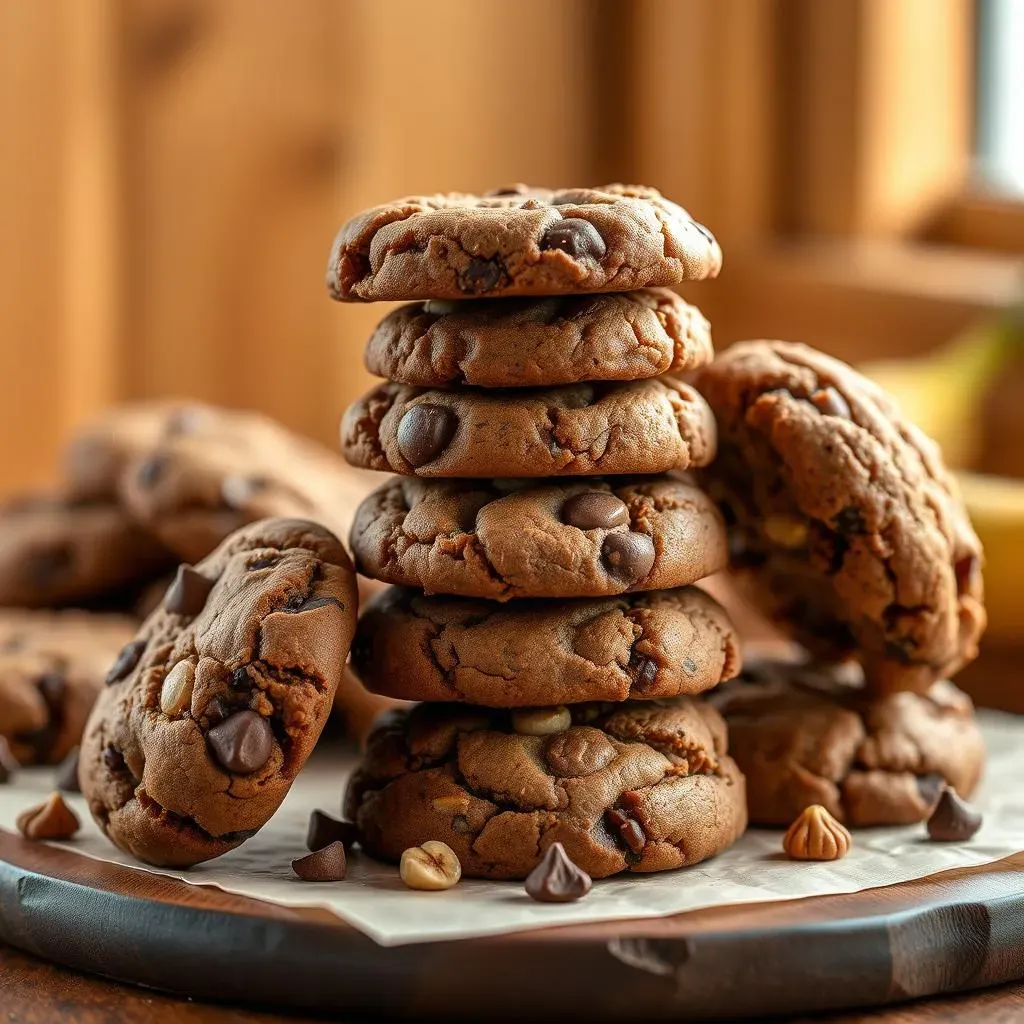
[{"x": 541, "y": 538}]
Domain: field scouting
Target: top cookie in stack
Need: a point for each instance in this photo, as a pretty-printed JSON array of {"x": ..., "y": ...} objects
[{"x": 540, "y": 345}]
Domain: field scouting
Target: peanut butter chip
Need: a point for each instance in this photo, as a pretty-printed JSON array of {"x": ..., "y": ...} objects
[
  {"x": 816, "y": 835},
  {"x": 52, "y": 819}
]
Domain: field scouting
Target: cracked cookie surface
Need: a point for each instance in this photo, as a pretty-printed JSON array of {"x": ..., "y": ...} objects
[
  {"x": 57, "y": 551},
  {"x": 52, "y": 666},
  {"x": 519, "y": 241},
  {"x": 539, "y": 342},
  {"x": 570, "y": 538},
  {"x": 212, "y": 710},
  {"x": 633, "y": 787},
  {"x": 647, "y": 426},
  {"x": 805, "y": 735},
  {"x": 844, "y": 524},
  {"x": 535, "y": 652}
]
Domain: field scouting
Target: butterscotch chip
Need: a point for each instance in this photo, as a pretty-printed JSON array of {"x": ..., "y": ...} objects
[
  {"x": 816, "y": 835},
  {"x": 52, "y": 819}
]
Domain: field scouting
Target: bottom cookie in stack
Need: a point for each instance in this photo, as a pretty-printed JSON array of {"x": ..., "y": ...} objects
[
  {"x": 804, "y": 735},
  {"x": 640, "y": 786}
]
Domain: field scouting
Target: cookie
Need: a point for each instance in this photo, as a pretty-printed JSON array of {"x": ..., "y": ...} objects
[
  {"x": 633, "y": 787},
  {"x": 212, "y": 710},
  {"x": 570, "y": 538},
  {"x": 647, "y": 426},
  {"x": 52, "y": 666},
  {"x": 220, "y": 469},
  {"x": 805, "y": 735},
  {"x": 55, "y": 551},
  {"x": 844, "y": 524},
  {"x": 539, "y": 342},
  {"x": 519, "y": 241},
  {"x": 524, "y": 653}
]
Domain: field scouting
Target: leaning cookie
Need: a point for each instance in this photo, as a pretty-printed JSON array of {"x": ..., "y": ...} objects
[
  {"x": 519, "y": 241},
  {"x": 568, "y": 538},
  {"x": 535, "y": 652},
  {"x": 647, "y": 426},
  {"x": 806, "y": 736},
  {"x": 844, "y": 523},
  {"x": 539, "y": 342},
  {"x": 52, "y": 666},
  {"x": 212, "y": 710},
  {"x": 635, "y": 787}
]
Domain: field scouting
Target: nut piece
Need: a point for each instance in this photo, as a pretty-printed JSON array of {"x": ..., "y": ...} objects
[
  {"x": 176, "y": 692},
  {"x": 953, "y": 819},
  {"x": 541, "y": 721},
  {"x": 430, "y": 867},
  {"x": 786, "y": 531},
  {"x": 556, "y": 879},
  {"x": 816, "y": 835},
  {"x": 50, "y": 820}
]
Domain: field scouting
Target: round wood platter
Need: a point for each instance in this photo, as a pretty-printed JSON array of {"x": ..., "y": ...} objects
[{"x": 950, "y": 932}]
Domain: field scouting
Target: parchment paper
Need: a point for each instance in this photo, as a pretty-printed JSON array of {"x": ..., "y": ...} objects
[{"x": 373, "y": 899}]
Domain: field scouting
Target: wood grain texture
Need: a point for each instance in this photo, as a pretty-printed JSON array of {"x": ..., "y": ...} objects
[{"x": 958, "y": 930}]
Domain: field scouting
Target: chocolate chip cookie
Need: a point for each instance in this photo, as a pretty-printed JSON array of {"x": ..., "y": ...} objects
[
  {"x": 535, "y": 652},
  {"x": 647, "y": 426},
  {"x": 519, "y": 241},
  {"x": 221, "y": 469},
  {"x": 56, "y": 551},
  {"x": 539, "y": 342},
  {"x": 844, "y": 523},
  {"x": 633, "y": 787},
  {"x": 52, "y": 666},
  {"x": 806, "y": 736},
  {"x": 212, "y": 710},
  {"x": 570, "y": 538}
]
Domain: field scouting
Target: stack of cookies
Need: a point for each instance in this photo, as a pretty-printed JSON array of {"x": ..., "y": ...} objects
[{"x": 541, "y": 546}]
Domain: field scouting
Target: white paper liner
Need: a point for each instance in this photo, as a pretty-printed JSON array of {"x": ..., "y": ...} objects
[{"x": 373, "y": 899}]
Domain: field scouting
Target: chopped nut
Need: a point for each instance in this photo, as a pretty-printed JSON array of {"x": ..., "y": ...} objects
[
  {"x": 953, "y": 820},
  {"x": 816, "y": 835},
  {"x": 450, "y": 804},
  {"x": 50, "y": 820},
  {"x": 430, "y": 867},
  {"x": 176, "y": 692},
  {"x": 541, "y": 721},
  {"x": 786, "y": 531}
]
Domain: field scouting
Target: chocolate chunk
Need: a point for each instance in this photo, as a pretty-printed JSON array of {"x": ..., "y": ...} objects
[
  {"x": 629, "y": 829},
  {"x": 126, "y": 661},
  {"x": 46, "y": 566},
  {"x": 930, "y": 787},
  {"x": 953, "y": 820},
  {"x": 424, "y": 432},
  {"x": 238, "y": 491},
  {"x": 595, "y": 510},
  {"x": 326, "y": 865},
  {"x": 481, "y": 276},
  {"x": 188, "y": 593},
  {"x": 151, "y": 470},
  {"x": 324, "y": 830},
  {"x": 113, "y": 759},
  {"x": 8, "y": 762},
  {"x": 579, "y": 238},
  {"x": 242, "y": 743},
  {"x": 519, "y": 189},
  {"x": 629, "y": 556},
  {"x": 240, "y": 679},
  {"x": 299, "y": 603},
  {"x": 67, "y": 773},
  {"x": 556, "y": 879},
  {"x": 52, "y": 819},
  {"x": 849, "y": 520},
  {"x": 263, "y": 563},
  {"x": 645, "y": 671},
  {"x": 829, "y": 402}
]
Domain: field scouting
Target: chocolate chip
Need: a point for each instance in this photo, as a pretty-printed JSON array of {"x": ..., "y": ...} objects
[
  {"x": 481, "y": 276},
  {"x": 629, "y": 829},
  {"x": 830, "y": 402},
  {"x": 629, "y": 556},
  {"x": 242, "y": 743},
  {"x": 263, "y": 563},
  {"x": 595, "y": 510},
  {"x": 849, "y": 520},
  {"x": 8, "y": 762},
  {"x": 579, "y": 238},
  {"x": 326, "y": 865},
  {"x": 930, "y": 787},
  {"x": 67, "y": 773},
  {"x": 299, "y": 603},
  {"x": 953, "y": 820},
  {"x": 424, "y": 432},
  {"x": 238, "y": 491},
  {"x": 126, "y": 661},
  {"x": 151, "y": 470},
  {"x": 113, "y": 759},
  {"x": 324, "y": 830},
  {"x": 519, "y": 189},
  {"x": 645, "y": 671},
  {"x": 188, "y": 593},
  {"x": 240, "y": 679},
  {"x": 46, "y": 566},
  {"x": 556, "y": 879}
]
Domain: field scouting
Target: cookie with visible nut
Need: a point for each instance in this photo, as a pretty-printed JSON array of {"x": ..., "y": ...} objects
[
  {"x": 503, "y": 539},
  {"x": 210, "y": 713},
  {"x": 519, "y": 241},
  {"x": 635, "y": 787},
  {"x": 537, "y": 653}
]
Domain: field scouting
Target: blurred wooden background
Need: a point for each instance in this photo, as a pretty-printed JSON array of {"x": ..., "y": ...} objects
[{"x": 175, "y": 170}]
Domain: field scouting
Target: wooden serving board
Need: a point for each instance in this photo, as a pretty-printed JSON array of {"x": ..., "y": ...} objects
[{"x": 954, "y": 931}]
